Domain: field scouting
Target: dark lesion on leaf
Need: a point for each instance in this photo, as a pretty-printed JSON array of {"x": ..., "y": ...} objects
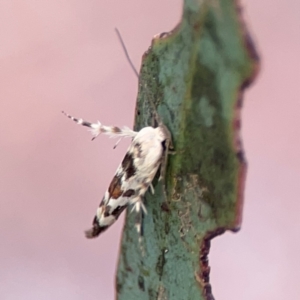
[
  {"x": 141, "y": 283},
  {"x": 203, "y": 276}
]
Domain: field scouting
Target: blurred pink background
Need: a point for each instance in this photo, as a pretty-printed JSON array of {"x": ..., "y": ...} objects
[{"x": 64, "y": 55}]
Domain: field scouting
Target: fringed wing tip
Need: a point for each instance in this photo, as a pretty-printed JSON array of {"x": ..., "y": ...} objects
[
  {"x": 90, "y": 234},
  {"x": 94, "y": 231}
]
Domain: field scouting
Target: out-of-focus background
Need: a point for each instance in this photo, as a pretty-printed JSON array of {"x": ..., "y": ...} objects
[{"x": 64, "y": 55}]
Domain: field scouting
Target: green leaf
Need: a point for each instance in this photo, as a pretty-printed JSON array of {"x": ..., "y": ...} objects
[{"x": 195, "y": 76}]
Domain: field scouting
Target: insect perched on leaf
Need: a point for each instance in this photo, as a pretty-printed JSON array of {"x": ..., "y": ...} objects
[{"x": 146, "y": 154}]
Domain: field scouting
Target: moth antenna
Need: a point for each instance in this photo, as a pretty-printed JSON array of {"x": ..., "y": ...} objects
[
  {"x": 126, "y": 52},
  {"x": 156, "y": 116},
  {"x": 98, "y": 128}
]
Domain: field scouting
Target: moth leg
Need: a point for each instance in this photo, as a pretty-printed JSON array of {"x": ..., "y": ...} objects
[
  {"x": 152, "y": 189},
  {"x": 117, "y": 143},
  {"x": 138, "y": 205},
  {"x": 98, "y": 128},
  {"x": 140, "y": 230},
  {"x": 163, "y": 166},
  {"x": 168, "y": 149},
  {"x": 162, "y": 176},
  {"x": 138, "y": 222},
  {"x": 140, "y": 209},
  {"x": 164, "y": 161}
]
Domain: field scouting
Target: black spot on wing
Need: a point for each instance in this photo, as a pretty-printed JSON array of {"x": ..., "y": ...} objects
[
  {"x": 128, "y": 193},
  {"x": 137, "y": 150},
  {"x": 164, "y": 146},
  {"x": 102, "y": 202},
  {"x": 128, "y": 166},
  {"x": 117, "y": 211},
  {"x": 107, "y": 211}
]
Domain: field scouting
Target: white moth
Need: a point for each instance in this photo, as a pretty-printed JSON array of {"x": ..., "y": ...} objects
[{"x": 147, "y": 152}]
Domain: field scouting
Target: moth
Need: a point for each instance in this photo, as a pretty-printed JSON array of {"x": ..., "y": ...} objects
[{"x": 147, "y": 153}]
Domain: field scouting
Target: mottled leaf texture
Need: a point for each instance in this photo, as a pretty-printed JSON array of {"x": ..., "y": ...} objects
[{"x": 195, "y": 76}]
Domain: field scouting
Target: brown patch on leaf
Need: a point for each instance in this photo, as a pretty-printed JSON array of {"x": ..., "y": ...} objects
[
  {"x": 203, "y": 276},
  {"x": 236, "y": 123}
]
